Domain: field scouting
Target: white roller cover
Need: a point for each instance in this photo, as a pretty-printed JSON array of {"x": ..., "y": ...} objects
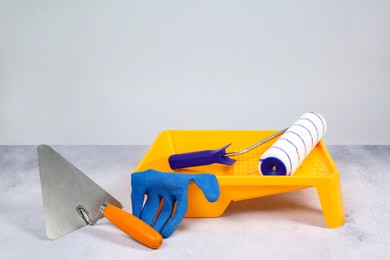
[{"x": 290, "y": 150}]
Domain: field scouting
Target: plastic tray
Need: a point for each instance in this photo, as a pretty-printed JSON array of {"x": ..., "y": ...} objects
[{"x": 242, "y": 180}]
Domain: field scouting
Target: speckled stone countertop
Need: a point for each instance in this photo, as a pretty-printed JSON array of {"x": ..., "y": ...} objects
[{"x": 289, "y": 225}]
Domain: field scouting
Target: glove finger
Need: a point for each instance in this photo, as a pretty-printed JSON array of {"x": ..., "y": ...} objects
[
  {"x": 150, "y": 209},
  {"x": 173, "y": 224},
  {"x": 164, "y": 215},
  {"x": 208, "y": 184},
  {"x": 137, "y": 200}
]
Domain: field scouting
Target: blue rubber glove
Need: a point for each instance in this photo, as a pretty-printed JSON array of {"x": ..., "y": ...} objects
[{"x": 173, "y": 188}]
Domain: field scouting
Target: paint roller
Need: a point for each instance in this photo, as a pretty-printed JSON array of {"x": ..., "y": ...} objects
[
  {"x": 282, "y": 158},
  {"x": 290, "y": 150}
]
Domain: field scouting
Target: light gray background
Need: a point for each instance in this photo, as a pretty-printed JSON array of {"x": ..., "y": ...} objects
[{"x": 118, "y": 72}]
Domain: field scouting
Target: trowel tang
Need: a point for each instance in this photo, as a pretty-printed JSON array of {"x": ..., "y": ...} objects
[{"x": 129, "y": 224}]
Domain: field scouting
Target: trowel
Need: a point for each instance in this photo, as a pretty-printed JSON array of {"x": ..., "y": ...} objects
[{"x": 71, "y": 201}]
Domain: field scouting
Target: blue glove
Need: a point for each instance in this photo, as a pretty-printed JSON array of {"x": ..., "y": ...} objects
[{"x": 173, "y": 188}]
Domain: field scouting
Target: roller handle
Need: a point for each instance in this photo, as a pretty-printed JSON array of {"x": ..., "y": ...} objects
[
  {"x": 199, "y": 158},
  {"x": 133, "y": 226}
]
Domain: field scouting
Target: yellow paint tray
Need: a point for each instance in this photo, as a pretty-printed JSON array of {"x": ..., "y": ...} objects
[{"x": 242, "y": 180}]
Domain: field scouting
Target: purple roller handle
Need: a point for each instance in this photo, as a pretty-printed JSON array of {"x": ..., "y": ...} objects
[{"x": 199, "y": 158}]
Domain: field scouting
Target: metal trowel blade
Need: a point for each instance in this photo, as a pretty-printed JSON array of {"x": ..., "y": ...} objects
[{"x": 64, "y": 187}]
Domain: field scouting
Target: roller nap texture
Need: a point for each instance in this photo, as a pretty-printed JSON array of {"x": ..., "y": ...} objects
[{"x": 290, "y": 150}]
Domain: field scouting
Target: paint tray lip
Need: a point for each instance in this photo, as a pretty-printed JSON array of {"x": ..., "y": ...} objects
[{"x": 167, "y": 142}]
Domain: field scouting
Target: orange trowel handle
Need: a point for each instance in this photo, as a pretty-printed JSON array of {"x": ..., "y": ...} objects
[{"x": 133, "y": 226}]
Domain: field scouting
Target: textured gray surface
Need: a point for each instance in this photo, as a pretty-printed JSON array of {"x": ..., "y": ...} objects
[{"x": 282, "y": 226}]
